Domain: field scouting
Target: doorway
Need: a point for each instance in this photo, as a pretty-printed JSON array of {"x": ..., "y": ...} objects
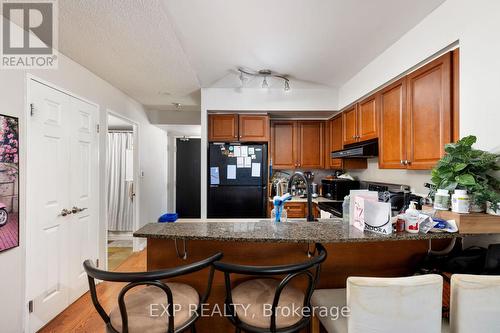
[
  {"x": 121, "y": 187},
  {"x": 187, "y": 177}
]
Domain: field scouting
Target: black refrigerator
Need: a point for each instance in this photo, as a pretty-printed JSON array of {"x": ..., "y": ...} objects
[{"x": 237, "y": 180}]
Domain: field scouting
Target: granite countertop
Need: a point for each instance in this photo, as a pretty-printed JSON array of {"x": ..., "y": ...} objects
[{"x": 253, "y": 230}]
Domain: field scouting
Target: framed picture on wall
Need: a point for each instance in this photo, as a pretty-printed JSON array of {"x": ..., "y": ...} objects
[{"x": 9, "y": 182}]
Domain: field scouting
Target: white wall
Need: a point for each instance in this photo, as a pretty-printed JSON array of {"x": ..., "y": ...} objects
[
  {"x": 249, "y": 99},
  {"x": 152, "y": 142}
]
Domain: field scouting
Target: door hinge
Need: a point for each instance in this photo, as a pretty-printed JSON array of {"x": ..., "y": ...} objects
[
  {"x": 97, "y": 262},
  {"x": 30, "y": 306},
  {"x": 97, "y": 128},
  {"x": 32, "y": 109}
]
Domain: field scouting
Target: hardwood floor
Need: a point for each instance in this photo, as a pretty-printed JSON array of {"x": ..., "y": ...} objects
[{"x": 81, "y": 316}]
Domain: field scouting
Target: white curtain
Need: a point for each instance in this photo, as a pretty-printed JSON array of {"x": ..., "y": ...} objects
[{"x": 120, "y": 207}]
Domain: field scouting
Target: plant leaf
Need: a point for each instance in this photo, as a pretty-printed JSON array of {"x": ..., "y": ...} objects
[
  {"x": 459, "y": 167},
  {"x": 466, "y": 179}
]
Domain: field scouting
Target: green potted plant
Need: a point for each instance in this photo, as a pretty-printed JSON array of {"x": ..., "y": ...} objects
[{"x": 464, "y": 167}]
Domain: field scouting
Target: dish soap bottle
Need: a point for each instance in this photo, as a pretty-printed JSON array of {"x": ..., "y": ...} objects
[{"x": 412, "y": 217}]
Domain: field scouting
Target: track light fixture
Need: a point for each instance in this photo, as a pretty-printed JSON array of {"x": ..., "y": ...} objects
[
  {"x": 265, "y": 85},
  {"x": 264, "y": 73}
]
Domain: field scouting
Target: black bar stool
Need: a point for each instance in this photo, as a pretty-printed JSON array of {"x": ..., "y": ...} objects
[
  {"x": 267, "y": 304},
  {"x": 176, "y": 305}
]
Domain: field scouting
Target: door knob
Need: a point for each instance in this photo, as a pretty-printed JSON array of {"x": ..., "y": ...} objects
[
  {"x": 75, "y": 210},
  {"x": 65, "y": 212}
]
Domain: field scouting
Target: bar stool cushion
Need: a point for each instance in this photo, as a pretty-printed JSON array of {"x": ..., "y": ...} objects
[
  {"x": 330, "y": 298},
  {"x": 139, "y": 310},
  {"x": 258, "y": 292}
]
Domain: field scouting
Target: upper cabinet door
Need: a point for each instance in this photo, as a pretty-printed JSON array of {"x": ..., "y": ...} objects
[
  {"x": 428, "y": 113},
  {"x": 284, "y": 144},
  {"x": 349, "y": 127},
  {"x": 254, "y": 128},
  {"x": 335, "y": 141},
  {"x": 311, "y": 144},
  {"x": 392, "y": 111},
  {"x": 223, "y": 127},
  {"x": 367, "y": 119}
]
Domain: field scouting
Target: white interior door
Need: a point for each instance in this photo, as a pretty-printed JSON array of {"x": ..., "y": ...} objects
[
  {"x": 62, "y": 173},
  {"x": 83, "y": 228}
]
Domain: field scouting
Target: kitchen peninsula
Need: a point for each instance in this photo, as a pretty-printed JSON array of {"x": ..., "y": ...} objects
[{"x": 262, "y": 242}]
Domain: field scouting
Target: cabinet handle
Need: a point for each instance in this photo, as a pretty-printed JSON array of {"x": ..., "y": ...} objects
[
  {"x": 402, "y": 162},
  {"x": 407, "y": 162}
]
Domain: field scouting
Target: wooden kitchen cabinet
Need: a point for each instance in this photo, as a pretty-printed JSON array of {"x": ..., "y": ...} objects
[
  {"x": 297, "y": 144},
  {"x": 311, "y": 145},
  {"x": 415, "y": 117},
  {"x": 392, "y": 138},
  {"x": 349, "y": 125},
  {"x": 335, "y": 130},
  {"x": 367, "y": 120},
  {"x": 360, "y": 121},
  {"x": 296, "y": 209},
  {"x": 335, "y": 142},
  {"x": 253, "y": 128},
  {"x": 284, "y": 144},
  {"x": 223, "y": 127},
  {"x": 242, "y": 127},
  {"x": 428, "y": 113}
]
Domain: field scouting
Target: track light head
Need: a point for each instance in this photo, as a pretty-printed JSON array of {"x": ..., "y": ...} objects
[
  {"x": 287, "y": 86},
  {"x": 265, "y": 85}
]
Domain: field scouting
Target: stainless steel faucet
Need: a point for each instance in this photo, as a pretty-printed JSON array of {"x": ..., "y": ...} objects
[{"x": 307, "y": 177}]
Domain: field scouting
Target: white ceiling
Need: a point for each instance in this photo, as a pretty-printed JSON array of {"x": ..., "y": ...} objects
[
  {"x": 321, "y": 41},
  {"x": 131, "y": 44},
  {"x": 163, "y": 51}
]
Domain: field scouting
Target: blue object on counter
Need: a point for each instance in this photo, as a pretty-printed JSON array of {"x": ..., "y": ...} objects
[
  {"x": 279, "y": 202},
  {"x": 169, "y": 217}
]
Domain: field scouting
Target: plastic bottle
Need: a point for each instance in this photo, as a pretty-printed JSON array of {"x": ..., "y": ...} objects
[
  {"x": 411, "y": 218},
  {"x": 460, "y": 202},
  {"x": 442, "y": 200},
  {"x": 345, "y": 209}
]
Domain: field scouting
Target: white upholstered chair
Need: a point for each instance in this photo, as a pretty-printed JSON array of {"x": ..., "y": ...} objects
[
  {"x": 475, "y": 303},
  {"x": 389, "y": 305}
]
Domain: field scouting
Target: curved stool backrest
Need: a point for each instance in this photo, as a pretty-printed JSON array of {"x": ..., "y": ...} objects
[
  {"x": 475, "y": 303},
  {"x": 151, "y": 278},
  {"x": 310, "y": 269},
  {"x": 391, "y": 305}
]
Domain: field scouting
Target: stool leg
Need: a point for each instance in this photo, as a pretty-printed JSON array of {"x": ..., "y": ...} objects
[{"x": 315, "y": 325}]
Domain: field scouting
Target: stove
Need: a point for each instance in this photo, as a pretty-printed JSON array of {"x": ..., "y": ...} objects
[
  {"x": 332, "y": 207},
  {"x": 387, "y": 192}
]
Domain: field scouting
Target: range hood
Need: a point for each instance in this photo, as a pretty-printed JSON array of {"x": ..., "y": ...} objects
[{"x": 358, "y": 150}]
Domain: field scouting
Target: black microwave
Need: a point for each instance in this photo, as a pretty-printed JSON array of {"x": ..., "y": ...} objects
[{"x": 337, "y": 189}]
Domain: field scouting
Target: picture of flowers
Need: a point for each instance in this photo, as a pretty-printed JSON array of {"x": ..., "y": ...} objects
[{"x": 9, "y": 182}]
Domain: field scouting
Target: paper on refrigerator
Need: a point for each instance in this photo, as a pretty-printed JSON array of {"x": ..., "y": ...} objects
[{"x": 231, "y": 171}]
